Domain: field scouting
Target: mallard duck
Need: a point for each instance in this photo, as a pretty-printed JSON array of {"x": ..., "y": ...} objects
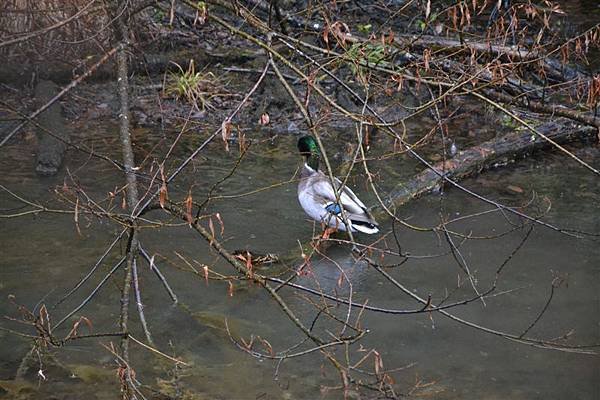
[{"x": 317, "y": 197}]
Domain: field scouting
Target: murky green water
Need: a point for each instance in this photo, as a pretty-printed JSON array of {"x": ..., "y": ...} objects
[{"x": 45, "y": 255}]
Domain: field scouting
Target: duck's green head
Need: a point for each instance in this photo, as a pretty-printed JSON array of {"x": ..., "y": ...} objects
[{"x": 307, "y": 145}]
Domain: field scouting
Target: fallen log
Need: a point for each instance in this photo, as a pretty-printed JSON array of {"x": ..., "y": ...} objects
[{"x": 498, "y": 151}]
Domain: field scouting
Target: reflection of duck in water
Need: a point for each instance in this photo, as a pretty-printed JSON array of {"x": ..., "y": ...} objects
[
  {"x": 335, "y": 273},
  {"x": 317, "y": 197}
]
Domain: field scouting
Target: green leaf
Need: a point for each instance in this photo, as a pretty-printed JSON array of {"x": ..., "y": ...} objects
[{"x": 365, "y": 28}]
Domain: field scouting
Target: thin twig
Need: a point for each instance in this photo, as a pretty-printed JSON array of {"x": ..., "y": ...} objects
[
  {"x": 138, "y": 301},
  {"x": 160, "y": 276},
  {"x": 92, "y": 294}
]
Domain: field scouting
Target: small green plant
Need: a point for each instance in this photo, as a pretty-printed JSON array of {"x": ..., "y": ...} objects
[
  {"x": 360, "y": 54},
  {"x": 197, "y": 88},
  {"x": 158, "y": 15},
  {"x": 365, "y": 28}
]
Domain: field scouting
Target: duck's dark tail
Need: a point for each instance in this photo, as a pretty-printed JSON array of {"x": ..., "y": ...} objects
[{"x": 364, "y": 225}]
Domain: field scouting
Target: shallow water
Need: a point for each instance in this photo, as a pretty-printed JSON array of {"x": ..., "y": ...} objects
[{"x": 45, "y": 255}]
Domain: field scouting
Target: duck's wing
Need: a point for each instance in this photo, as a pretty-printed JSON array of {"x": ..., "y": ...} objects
[
  {"x": 322, "y": 188},
  {"x": 348, "y": 192}
]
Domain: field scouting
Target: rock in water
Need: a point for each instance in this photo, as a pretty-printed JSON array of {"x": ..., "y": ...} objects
[{"x": 51, "y": 149}]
